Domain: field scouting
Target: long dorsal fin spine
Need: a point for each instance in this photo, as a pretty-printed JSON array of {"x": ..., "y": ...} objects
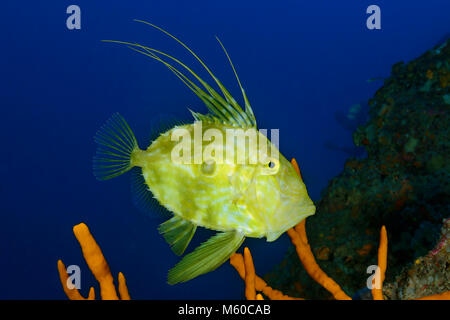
[
  {"x": 248, "y": 108},
  {"x": 211, "y": 91},
  {"x": 225, "y": 92},
  {"x": 226, "y": 109},
  {"x": 213, "y": 94},
  {"x": 210, "y": 103}
]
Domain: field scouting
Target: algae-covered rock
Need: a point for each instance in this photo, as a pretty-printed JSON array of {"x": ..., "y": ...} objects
[
  {"x": 428, "y": 275},
  {"x": 404, "y": 183}
]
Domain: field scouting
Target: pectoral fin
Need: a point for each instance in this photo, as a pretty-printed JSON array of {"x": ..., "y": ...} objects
[
  {"x": 178, "y": 233},
  {"x": 207, "y": 257}
]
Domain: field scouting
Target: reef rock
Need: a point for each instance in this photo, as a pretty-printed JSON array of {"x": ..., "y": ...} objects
[
  {"x": 403, "y": 183},
  {"x": 428, "y": 275}
]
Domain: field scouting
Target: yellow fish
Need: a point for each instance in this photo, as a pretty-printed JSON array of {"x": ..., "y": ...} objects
[{"x": 247, "y": 194}]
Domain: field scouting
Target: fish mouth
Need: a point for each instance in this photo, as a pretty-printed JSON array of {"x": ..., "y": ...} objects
[{"x": 292, "y": 220}]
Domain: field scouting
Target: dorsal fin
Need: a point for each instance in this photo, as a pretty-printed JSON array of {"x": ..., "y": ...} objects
[
  {"x": 204, "y": 117},
  {"x": 162, "y": 123},
  {"x": 178, "y": 232},
  {"x": 224, "y": 108}
]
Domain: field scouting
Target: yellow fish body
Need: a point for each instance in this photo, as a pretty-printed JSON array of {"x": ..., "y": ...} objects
[{"x": 255, "y": 195}]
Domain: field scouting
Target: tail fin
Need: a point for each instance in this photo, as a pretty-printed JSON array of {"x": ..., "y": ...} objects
[{"x": 116, "y": 144}]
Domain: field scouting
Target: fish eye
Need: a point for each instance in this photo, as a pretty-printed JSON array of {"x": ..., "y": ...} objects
[
  {"x": 272, "y": 164},
  {"x": 208, "y": 167}
]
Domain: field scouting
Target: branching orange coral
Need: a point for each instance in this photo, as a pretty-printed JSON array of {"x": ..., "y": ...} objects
[
  {"x": 243, "y": 264},
  {"x": 99, "y": 267},
  {"x": 441, "y": 296},
  {"x": 72, "y": 294},
  {"x": 253, "y": 283},
  {"x": 377, "y": 293},
  {"x": 300, "y": 241},
  {"x": 237, "y": 261}
]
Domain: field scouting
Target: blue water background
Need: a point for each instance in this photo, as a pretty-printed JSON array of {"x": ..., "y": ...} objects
[{"x": 299, "y": 61}]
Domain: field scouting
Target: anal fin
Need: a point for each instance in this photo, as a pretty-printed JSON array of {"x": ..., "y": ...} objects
[
  {"x": 206, "y": 257},
  {"x": 178, "y": 232}
]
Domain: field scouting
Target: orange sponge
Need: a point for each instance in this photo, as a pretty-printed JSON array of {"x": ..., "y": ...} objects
[{"x": 99, "y": 267}]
